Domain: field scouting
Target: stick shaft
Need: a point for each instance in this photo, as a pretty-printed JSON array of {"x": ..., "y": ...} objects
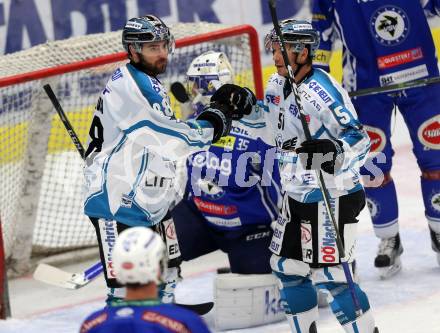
[{"x": 64, "y": 120}]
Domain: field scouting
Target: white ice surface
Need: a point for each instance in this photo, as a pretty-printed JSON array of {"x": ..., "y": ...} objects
[{"x": 407, "y": 303}]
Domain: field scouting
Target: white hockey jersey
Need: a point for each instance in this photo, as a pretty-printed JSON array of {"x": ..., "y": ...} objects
[
  {"x": 134, "y": 147},
  {"x": 330, "y": 115}
]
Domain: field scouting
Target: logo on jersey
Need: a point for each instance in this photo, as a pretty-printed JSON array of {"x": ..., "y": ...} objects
[
  {"x": 212, "y": 208},
  {"x": 377, "y": 139},
  {"x": 117, "y": 74},
  {"x": 211, "y": 161},
  {"x": 293, "y": 109},
  {"x": 373, "y": 207},
  {"x": 171, "y": 324},
  {"x": 306, "y": 241},
  {"x": 405, "y": 75},
  {"x": 108, "y": 230},
  {"x": 126, "y": 201},
  {"x": 290, "y": 144},
  {"x": 273, "y": 99},
  {"x": 435, "y": 201},
  {"x": 89, "y": 324},
  {"x": 306, "y": 232},
  {"x": 328, "y": 252},
  {"x": 429, "y": 133},
  {"x": 210, "y": 189},
  {"x": 389, "y": 25},
  {"x": 170, "y": 231},
  {"x": 399, "y": 58},
  {"x": 225, "y": 142},
  {"x": 125, "y": 312}
]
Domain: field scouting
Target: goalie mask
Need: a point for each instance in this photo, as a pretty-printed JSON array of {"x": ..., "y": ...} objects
[
  {"x": 208, "y": 72},
  {"x": 146, "y": 29},
  {"x": 297, "y": 33},
  {"x": 139, "y": 256}
]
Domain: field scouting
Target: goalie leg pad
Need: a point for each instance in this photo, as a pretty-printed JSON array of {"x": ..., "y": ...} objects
[{"x": 243, "y": 301}]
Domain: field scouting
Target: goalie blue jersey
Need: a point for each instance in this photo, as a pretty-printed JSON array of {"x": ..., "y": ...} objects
[
  {"x": 385, "y": 41},
  {"x": 236, "y": 182},
  {"x": 143, "y": 316}
]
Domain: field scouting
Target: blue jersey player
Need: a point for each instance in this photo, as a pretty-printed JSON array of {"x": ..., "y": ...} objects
[
  {"x": 387, "y": 42},
  {"x": 232, "y": 189},
  {"x": 232, "y": 198},
  {"x": 139, "y": 259}
]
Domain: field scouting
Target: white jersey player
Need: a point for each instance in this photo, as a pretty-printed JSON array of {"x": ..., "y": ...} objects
[
  {"x": 135, "y": 143},
  {"x": 304, "y": 241}
]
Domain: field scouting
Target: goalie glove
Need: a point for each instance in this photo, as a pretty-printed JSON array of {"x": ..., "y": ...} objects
[
  {"x": 320, "y": 148},
  {"x": 220, "y": 117},
  {"x": 241, "y": 99}
]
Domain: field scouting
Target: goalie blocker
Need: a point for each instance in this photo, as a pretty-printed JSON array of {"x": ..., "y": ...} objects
[{"x": 243, "y": 301}]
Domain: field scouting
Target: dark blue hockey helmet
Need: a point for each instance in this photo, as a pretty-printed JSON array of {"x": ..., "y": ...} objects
[
  {"x": 146, "y": 29},
  {"x": 298, "y": 33}
]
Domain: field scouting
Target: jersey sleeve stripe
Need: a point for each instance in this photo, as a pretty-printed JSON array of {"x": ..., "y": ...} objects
[{"x": 167, "y": 131}]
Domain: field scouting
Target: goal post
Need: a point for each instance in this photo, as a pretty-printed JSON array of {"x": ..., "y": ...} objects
[
  {"x": 5, "y": 310},
  {"x": 40, "y": 171}
]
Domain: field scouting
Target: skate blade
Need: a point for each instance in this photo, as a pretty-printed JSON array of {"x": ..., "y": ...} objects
[{"x": 387, "y": 272}]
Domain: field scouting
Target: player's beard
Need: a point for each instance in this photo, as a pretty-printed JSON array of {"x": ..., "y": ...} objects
[{"x": 158, "y": 67}]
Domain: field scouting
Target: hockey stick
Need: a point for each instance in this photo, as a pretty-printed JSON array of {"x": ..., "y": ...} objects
[
  {"x": 395, "y": 87},
  {"x": 321, "y": 183},
  {"x": 48, "y": 89},
  {"x": 57, "y": 277},
  {"x": 60, "y": 278}
]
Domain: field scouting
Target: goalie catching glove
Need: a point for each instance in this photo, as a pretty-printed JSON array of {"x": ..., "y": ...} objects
[
  {"x": 242, "y": 100},
  {"x": 320, "y": 148}
]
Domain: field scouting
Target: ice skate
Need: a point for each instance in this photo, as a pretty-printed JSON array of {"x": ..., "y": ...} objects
[
  {"x": 388, "y": 257},
  {"x": 435, "y": 243}
]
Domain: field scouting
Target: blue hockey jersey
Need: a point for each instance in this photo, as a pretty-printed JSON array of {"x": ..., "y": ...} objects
[
  {"x": 143, "y": 316},
  {"x": 384, "y": 41},
  {"x": 236, "y": 182}
]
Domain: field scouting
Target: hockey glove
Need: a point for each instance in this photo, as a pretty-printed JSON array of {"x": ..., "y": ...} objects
[
  {"x": 320, "y": 148},
  {"x": 241, "y": 99},
  {"x": 220, "y": 117}
]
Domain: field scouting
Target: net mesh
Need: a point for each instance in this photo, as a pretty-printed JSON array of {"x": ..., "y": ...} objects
[{"x": 56, "y": 212}]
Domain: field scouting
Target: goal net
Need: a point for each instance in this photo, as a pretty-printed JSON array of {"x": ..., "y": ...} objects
[{"x": 40, "y": 170}]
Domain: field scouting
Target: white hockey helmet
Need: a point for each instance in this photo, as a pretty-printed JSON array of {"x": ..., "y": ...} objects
[
  {"x": 206, "y": 73},
  {"x": 139, "y": 256}
]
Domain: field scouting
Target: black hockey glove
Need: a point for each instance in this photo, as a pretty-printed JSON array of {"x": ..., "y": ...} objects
[
  {"x": 220, "y": 117},
  {"x": 329, "y": 164},
  {"x": 241, "y": 99}
]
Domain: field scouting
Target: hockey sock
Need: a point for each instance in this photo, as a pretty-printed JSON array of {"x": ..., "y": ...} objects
[
  {"x": 382, "y": 204},
  {"x": 431, "y": 199},
  {"x": 341, "y": 301},
  {"x": 300, "y": 302}
]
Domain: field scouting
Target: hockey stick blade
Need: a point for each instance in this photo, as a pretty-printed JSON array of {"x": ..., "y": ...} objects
[
  {"x": 60, "y": 278},
  {"x": 201, "y": 308}
]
